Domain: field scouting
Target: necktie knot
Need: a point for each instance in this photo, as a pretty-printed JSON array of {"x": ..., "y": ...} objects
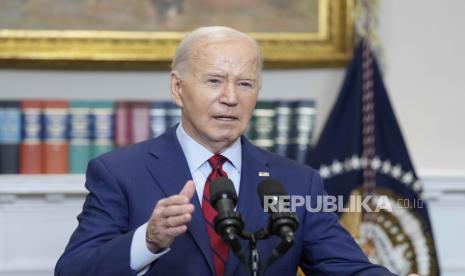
[{"x": 217, "y": 161}]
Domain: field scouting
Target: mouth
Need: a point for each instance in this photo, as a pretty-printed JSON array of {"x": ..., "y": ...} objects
[{"x": 226, "y": 118}]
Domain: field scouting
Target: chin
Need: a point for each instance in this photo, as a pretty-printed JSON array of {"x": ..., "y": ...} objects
[{"x": 226, "y": 136}]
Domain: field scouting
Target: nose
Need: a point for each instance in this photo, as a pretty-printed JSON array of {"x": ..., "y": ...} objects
[{"x": 229, "y": 95}]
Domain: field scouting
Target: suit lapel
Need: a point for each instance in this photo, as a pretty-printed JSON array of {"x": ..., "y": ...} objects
[
  {"x": 253, "y": 162},
  {"x": 168, "y": 165}
]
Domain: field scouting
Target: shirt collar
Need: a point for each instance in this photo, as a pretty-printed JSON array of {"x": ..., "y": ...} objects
[{"x": 196, "y": 154}]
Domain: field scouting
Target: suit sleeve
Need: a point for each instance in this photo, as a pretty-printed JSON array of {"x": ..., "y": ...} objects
[
  {"x": 329, "y": 249},
  {"x": 101, "y": 243}
]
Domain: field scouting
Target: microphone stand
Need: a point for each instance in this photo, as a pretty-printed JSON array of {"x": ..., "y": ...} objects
[
  {"x": 254, "y": 258},
  {"x": 253, "y": 263}
]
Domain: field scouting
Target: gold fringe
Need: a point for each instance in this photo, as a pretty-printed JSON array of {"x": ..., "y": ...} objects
[
  {"x": 366, "y": 27},
  {"x": 352, "y": 220}
]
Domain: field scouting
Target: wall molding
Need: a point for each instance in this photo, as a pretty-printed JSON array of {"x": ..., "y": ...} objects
[{"x": 434, "y": 181}]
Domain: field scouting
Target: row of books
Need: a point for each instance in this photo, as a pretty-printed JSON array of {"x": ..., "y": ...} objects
[{"x": 58, "y": 136}]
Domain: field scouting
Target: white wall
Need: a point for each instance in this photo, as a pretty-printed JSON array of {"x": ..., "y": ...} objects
[{"x": 424, "y": 43}]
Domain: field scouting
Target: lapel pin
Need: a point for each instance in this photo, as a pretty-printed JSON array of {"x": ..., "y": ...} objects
[{"x": 263, "y": 174}]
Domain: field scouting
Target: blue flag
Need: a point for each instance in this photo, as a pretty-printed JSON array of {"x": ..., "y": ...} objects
[{"x": 361, "y": 154}]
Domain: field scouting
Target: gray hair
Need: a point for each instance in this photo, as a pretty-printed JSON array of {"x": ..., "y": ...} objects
[{"x": 213, "y": 33}]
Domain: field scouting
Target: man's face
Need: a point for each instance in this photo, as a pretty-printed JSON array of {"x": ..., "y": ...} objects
[{"x": 219, "y": 92}]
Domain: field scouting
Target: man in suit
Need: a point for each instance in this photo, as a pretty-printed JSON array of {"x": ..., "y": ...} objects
[{"x": 148, "y": 213}]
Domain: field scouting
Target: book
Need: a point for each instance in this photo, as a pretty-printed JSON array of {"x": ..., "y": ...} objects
[
  {"x": 261, "y": 130},
  {"x": 140, "y": 121},
  {"x": 122, "y": 124},
  {"x": 10, "y": 136},
  {"x": 102, "y": 127},
  {"x": 79, "y": 149},
  {"x": 282, "y": 123},
  {"x": 302, "y": 129},
  {"x": 173, "y": 114},
  {"x": 31, "y": 155},
  {"x": 158, "y": 120},
  {"x": 55, "y": 137}
]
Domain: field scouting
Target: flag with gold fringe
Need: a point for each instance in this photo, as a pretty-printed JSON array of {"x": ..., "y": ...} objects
[{"x": 361, "y": 154}]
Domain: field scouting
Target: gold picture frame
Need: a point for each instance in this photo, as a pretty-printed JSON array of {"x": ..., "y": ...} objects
[{"x": 330, "y": 45}]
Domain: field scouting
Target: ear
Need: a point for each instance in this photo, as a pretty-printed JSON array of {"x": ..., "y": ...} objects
[{"x": 176, "y": 88}]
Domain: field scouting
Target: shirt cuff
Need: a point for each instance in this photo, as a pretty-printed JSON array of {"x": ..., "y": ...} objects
[{"x": 141, "y": 256}]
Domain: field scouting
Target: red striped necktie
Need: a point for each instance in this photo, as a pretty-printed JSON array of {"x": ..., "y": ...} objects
[{"x": 218, "y": 246}]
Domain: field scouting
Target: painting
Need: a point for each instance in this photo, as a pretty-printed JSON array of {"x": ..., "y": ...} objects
[{"x": 144, "y": 33}]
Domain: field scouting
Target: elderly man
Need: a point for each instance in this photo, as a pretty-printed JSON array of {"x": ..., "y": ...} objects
[{"x": 148, "y": 212}]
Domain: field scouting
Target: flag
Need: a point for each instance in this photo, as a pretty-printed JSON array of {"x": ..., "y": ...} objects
[{"x": 361, "y": 154}]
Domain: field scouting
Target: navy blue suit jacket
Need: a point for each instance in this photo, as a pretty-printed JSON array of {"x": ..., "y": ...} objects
[{"x": 125, "y": 185}]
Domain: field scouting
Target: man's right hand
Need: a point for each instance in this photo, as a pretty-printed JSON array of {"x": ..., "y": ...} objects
[{"x": 169, "y": 218}]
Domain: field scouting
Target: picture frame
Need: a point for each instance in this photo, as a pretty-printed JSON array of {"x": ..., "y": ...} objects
[{"x": 329, "y": 44}]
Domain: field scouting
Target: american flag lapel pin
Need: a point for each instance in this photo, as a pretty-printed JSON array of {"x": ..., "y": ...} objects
[{"x": 263, "y": 174}]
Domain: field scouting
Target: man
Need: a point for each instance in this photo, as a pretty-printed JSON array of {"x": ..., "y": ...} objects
[{"x": 148, "y": 212}]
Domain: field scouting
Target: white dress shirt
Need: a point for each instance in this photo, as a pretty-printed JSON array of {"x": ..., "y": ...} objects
[{"x": 197, "y": 159}]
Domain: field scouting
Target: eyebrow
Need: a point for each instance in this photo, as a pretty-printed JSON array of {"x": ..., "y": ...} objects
[
  {"x": 225, "y": 75},
  {"x": 216, "y": 74},
  {"x": 248, "y": 79}
]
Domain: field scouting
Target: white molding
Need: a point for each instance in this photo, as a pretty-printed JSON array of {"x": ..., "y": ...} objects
[
  {"x": 444, "y": 180},
  {"x": 453, "y": 266},
  {"x": 447, "y": 187},
  {"x": 42, "y": 184},
  {"x": 443, "y": 174},
  {"x": 434, "y": 181},
  {"x": 28, "y": 265},
  {"x": 437, "y": 183}
]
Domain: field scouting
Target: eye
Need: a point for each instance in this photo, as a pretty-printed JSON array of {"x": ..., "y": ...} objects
[
  {"x": 246, "y": 84},
  {"x": 213, "y": 81}
]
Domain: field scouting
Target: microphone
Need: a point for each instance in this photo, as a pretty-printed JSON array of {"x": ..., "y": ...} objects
[
  {"x": 228, "y": 223},
  {"x": 282, "y": 224},
  {"x": 223, "y": 195}
]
